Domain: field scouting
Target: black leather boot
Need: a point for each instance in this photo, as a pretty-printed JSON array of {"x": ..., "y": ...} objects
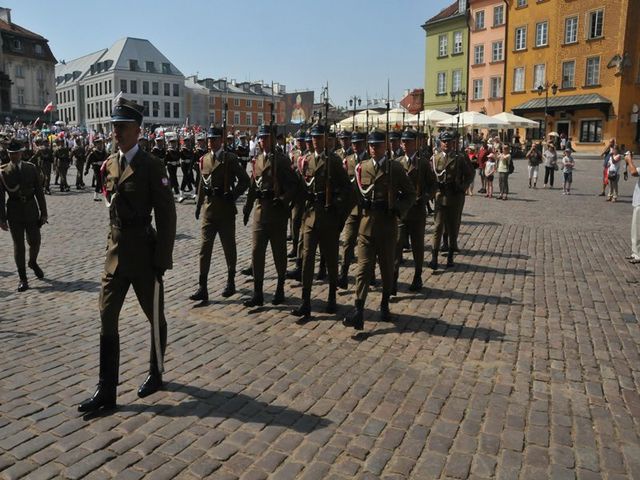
[
  {"x": 230, "y": 288},
  {"x": 416, "y": 284},
  {"x": 343, "y": 279},
  {"x": 394, "y": 287},
  {"x": 247, "y": 271},
  {"x": 257, "y": 300},
  {"x": 385, "y": 313},
  {"x": 373, "y": 282},
  {"x": 153, "y": 382},
  {"x": 450, "y": 259},
  {"x": 331, "y": 307},
  {"x": 278, "y": 298},
  {"x": 355, "y": 318},
  {"x": 433, "y": 264},
  {"x": 36, "y": 269},
  {"x": 304, "y": 309},
  {"x": 202, "y": 294},
  {"x": 105, "y": 395},
  {"x": 296, "y": 273}
]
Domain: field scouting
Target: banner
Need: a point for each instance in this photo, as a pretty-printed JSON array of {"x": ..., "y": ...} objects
[{"x": 298, "y": 107}]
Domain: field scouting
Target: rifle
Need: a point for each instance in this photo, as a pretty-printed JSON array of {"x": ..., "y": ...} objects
[
  {"x": 327, "y": 183},
  {"x": 389, "y": 169},
  {"x": 224, "y": 147},
  {"x": 272, "y": 136}
]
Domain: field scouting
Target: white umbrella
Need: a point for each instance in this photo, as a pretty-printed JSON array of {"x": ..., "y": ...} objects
[
  {"x": 515, "y": 121},
  {"x": 474, "y": 120},
  {"x": 360, "y": 119},
  {"x": 428, "y": 117}
]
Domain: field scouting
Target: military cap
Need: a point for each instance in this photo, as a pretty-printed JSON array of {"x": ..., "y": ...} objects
[
  {"x": 264, "y": 131},
  {"x": 345, "y": 134},
  {"x": 127, "y": 111},
  {"x": 98, "y": 138},
  {"x": 15, "y": 146},
  {"x": 317, "y": 130},
  {"x": 242, "y": 135},
  {"x": 300, "y": 135},
  {"x": 376, "y": 136},
  {"x": 409, "y": 134},
  {"x": 159, "y": 138},
  {"x": 307, "y": 137},
  {"x": 358, "y": 137},
  {"x": 214, "y": 132},
  {"x": 171, "y": 137},
  {"x": 201, "y": 136},
  {"x": 395, "y": 135},
  {"x": 446, "y": 136}
]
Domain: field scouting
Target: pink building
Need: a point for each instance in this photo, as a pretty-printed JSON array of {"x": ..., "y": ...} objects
[{"x": 487, "y": 51}]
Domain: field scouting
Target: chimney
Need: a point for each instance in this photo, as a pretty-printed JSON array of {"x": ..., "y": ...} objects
[{"x": 5, "y": 14}]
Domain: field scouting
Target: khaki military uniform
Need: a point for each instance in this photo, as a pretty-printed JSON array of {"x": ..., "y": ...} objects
[
  {"x": 95, "y": 159},
  {"x": 223, "y": 180},
  {"x": 24, "y": 210},
  {"x": 352, "y": 223},
  {"x": 62, "y": 161},
  {"x": 323, "y": 217},
  {"x": 43, "y": 159},
  {"x": 136, "y": 253},
  {"x": 172, "y": 160},
  {"x": 453, "y": 175},
  {"x": 80, "y": 155},
  {"x": 378, "y": 227},
  {"x": 271, "y": 195},
  {"x": 298, "y": 162},
  {"x": 412, "y": 226}
]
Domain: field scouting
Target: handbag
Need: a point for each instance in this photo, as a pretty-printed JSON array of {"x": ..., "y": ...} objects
[
  {"x": 555, "y": 167},
  {"x": 612, "y": 176}
]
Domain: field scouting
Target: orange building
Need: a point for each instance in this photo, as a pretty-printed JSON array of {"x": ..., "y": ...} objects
[
  {"x": 579, "y": 62},
  {"x": 487, "y": 27}
]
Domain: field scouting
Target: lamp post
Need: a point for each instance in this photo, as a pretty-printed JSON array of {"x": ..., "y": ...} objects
[
  {"x": 456, "y": 96},
  {"x": 354, "y": 102},
  {"x": 545, "y": 88}
]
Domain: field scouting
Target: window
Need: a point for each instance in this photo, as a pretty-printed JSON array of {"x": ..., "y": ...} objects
[
  {"x": 571, "y": 30},
  {"x": 92, "y": 92},
  {"x": 260, "y": 118},
  {"x": 236, "y": 102},
  {"x": 167, "y": 110},
  {"x": 133, "y": 65},
  {"x": 87, "y": 93},
  {"x": 145, "y": 88},
  {"x": 123, "y": 86},
  {"x": 249, "y": 119},
  {"x": 19, "y": 71},
  {"x": 478, "y": 54},
  {"x": 457, "y": 42},
  {"x": 212, "y": 117},
  {"x": 456, "y": 81},
  {"x": 591, "y": 131},
  {"x": 134, "y": 86},
  {"x": 479, "y": 19},
  {"x": 249, "y": 103},
  {"x": 73, "y": 112},
  {"x": 522, "y": 3},
  {"x": 542, "y": 34},
  {"x": 498, "y": 15},
  {"x": 100, "y": 89},
  {"x": 41, "y": 98},
  {"x": 443, "y": 44},
  {"x": 521, "y": 38},
  {"x": 110, "y": 90},
  {"x": 38, "y": 49},
  {"x": 17, "y": 44},
  {"x": 73, "y": 96},
  {"x": 176, "y": 110},
  {"x": 497, "y": 51},
  {"x": 236, "y": 118},
  {"x": 176, "y": 90},
  {"x": 495, "y": 87},
  {"x": 568, "y": 74},
  {"x": 593, "y": 71},
  {"x": 518, "y": 79},
  {"x": 151, "y": 67},
  {"x": 167, "y": 89},
  {"x": 596, "y": 25},
  {"x": 166, "y": 68},
  {"x": 155, "y": 88},
  {"x": 155, "y": 110},
  {"x": 477, "y": 89},
  {"x": 442, "y": 83},
  {"x": 539, "y": 75},
  {"x": 145, "y": 104}
]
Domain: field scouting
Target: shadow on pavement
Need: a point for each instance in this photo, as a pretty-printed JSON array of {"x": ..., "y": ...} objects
[
  {"x": 210, "y": 403},
  {"x": 432, "y": 326},
  {"x": 73, "y": 286},
  {"x": 471, "y": 267},
  {"x": 473, "y": 252}
]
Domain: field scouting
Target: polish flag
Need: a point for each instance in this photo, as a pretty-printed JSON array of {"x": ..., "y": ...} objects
[{"x": 49, "y": 108}]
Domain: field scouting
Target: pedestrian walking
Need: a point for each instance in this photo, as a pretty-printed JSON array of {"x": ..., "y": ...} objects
[
  {"x": 613, "y": 174},
  {"x": 534, "y": 159},
  {"x": 550, "y": 164},
  {"x": 489, "y": 173},
  {"x": 568, "y": 164},
  {"x": 504, "y": 165}
]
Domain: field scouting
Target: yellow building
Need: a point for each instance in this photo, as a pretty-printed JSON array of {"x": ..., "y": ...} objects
[{"x": 579, "y": 61}]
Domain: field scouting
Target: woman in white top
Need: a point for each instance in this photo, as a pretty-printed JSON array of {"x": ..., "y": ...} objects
[
  {"x": 550, "y": 164},
  {"x": 613, "y": 174}
]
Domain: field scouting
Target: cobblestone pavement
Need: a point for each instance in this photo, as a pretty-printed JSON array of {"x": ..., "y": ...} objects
[{"x": 520, "y": 362}]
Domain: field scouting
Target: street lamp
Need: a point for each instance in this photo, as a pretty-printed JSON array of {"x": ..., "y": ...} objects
[
  {"x": 456, "y": 96},
  {"x": 354, "y": 102},
  {"x": 545, "y": 88}
]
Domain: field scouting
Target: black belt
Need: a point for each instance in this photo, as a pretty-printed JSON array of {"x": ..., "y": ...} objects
[
  {"x": 22, "y": 198},
  {"x": 375, "y": 205},
  {"x": 132, "y": 223},
  {"x": 265, "y": 194}
]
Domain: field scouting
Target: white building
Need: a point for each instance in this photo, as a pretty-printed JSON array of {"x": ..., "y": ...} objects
[
  {"x": 26, "y": 71},
  {"x": 86, "y": 86}
]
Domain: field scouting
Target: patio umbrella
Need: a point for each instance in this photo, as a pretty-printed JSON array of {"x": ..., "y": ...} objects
[
  {"x": 428, "y": 117},
  {"x": 474, "y": 120},
  {"x": 515, "y": 121},
  {"x": 360, "y": 119}
]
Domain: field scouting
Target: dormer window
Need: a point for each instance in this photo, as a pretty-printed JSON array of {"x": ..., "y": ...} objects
[
  {"x": 166, "y": 68},
  {"x": 133, "y": 65},
  {"x": 38, "y": 49},
  {"x": 16, "y": 44},
  {"x": 151, "y": 67}
]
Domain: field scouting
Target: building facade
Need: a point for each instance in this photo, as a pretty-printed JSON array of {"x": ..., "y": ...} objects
[
  {"x": 579, "y": 62},
  {"x": 487, "y": 36},
  {"x": 446, "y": 62},
  {"x": 26, "y": 71},
  {"x": 86, "y": 87}
]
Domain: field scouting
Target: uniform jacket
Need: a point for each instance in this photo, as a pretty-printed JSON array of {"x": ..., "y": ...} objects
[
  {"x": 133, "y": 245},
  {"x": 96, "y": 158},
  {"x": 261, "y": 190},
  {"x": 62, "y": 156},
  {"x": 420, "y": 173},
  {"x": 375, "y": 188},
  {"x": 172, "y": 157},
  {"x": 453, "y": 173},
  {"x": 212, "y": 185},
  {"x": 26, "y": 197},
  {"x": 315, "y": 178},
  {"x": 79, "y": 154},
  {"x": 159, "y": 152},
  {"x": 349, "y": 163}
]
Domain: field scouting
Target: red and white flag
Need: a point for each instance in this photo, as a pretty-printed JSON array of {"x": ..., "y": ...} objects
[{"x": 49, "y": 108}]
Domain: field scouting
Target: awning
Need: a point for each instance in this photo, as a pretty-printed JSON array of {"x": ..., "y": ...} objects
[{"x": 565, "y": 103}]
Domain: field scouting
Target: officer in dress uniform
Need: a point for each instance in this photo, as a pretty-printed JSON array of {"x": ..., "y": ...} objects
[
  {"x": 394, "y": 139},
  {"x": 62, "y": 161},
  {"x": 159, "y": 148},
  {"x": 328, "y": 198},
  {"x": 345, "y": 144},
  {"x": 242, "y": 150},
  {"x": 172, "y": 160},
  {"x": 43, "y": 159},
  {"x": 421, "y": 175},
  {"x": 200, "y": 151},
  {"x": 223, "y": 180},
  {"x": 26, "y": 209},
  {"x": 296, "y": 155},
  {"x": 95, "y": 159},
  {"x": 453, "y": 174},
  {"x": 136, "y": 185},
  {"x": 186, "y": 166},
  {"x": 79, "y": 154},
  {"x": 143, "y": 142},
  {"x": 271, "y": 192},
  {"x": 386, "y": 194},
  {"x": 350, "y": 229}
]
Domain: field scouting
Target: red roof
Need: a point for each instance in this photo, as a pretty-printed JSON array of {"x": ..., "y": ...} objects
[
  {"x": 449, "y": 11},
  {"x": 18, "y": 30}
]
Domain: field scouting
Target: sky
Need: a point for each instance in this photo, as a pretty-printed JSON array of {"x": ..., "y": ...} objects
[{"x": 354, "y": 45}]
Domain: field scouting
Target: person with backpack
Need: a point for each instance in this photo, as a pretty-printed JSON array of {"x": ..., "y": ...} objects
[{"x": 505, "y": 168}]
